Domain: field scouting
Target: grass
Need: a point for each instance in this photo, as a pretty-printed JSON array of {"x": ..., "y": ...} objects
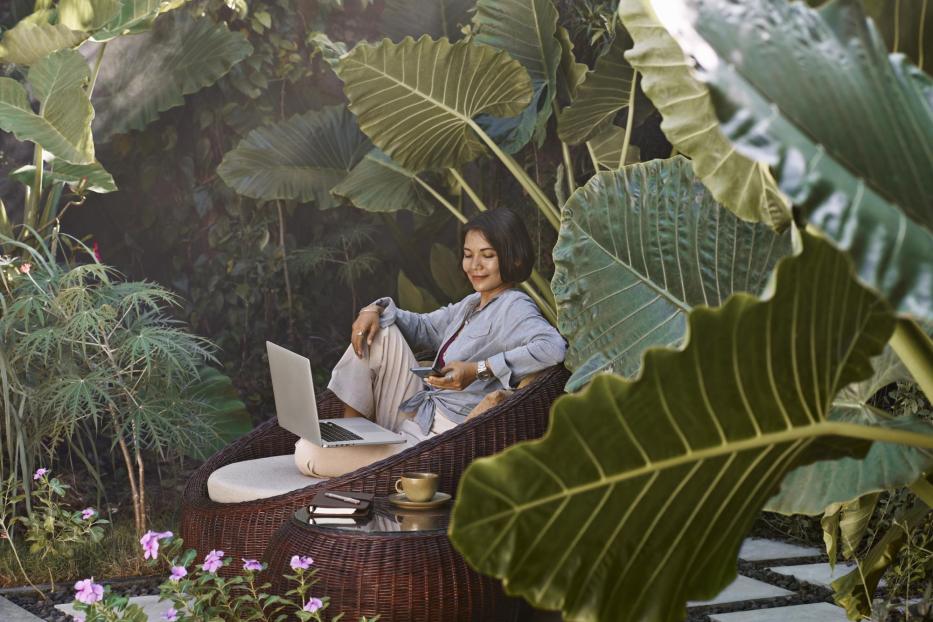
[{"x": 118, "y": 555}]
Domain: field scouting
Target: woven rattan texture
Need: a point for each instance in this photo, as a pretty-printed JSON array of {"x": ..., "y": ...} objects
[{"x": 243, "y": 530}]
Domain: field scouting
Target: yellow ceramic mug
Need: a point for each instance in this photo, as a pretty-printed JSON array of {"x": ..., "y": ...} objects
[{"x": 418, "y": 486}]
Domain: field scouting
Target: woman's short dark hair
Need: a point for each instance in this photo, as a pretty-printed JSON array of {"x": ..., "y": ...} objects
[{"x": 507, "y": 233}]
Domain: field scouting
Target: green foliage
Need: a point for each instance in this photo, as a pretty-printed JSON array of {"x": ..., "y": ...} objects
[
  {"x": 740, "y": 183},
  {"x": 640, "y": 247},
  {"x": 864, "y": 190},
  {"x": 54, "y": 530},
  {"x": 674, "y": 492}
]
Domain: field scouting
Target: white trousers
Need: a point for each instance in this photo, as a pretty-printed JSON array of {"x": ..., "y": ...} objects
[{"x": 374, "y": 386}]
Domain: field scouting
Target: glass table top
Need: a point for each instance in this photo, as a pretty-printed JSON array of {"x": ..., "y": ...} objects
[{"x": 385, "y": 518}]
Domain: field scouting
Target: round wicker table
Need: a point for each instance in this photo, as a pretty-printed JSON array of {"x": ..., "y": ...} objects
[{"x": 398, "y": 564}]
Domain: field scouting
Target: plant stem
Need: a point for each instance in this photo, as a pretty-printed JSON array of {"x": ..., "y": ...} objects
[
  {"x": 288, "y": 282},
  {"x": 129, "y": 473},
  {"x": 440, "y": 198},
  {"x": 35, "y": 193},
  {"x": 534, "y": 191},
  {"x": 478, "y": 202},
  {"x": 97, "y": 62},
  {"x": 568, "y": 165},
  {"x": 923, "y": 489},
  {"x": 589, "y": 149},
  {"x": 629, "y": 121},
  {"x": 915, "y": 350},
  {"x": 141, "y": 480},
  {"x": 19, "y": 562}
]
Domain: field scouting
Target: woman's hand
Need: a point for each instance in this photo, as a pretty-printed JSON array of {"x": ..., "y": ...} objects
[
  {"x": 458, "y": 375},
  {"x": 365, "y": 329}
]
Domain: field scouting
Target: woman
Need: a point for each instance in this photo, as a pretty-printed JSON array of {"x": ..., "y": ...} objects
[{"x": 489, "y": 340}]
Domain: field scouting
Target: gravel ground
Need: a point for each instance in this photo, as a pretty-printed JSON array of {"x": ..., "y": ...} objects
[{"x": 45, "y": 609}]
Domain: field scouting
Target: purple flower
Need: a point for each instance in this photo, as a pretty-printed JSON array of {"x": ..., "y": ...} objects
[
  {"x": 300, "y": 562},
  {"x": 212, "y": 561},
  {"x": 171, "y": 615},
  {"x": 78, "y": 617},
  {"x": 178, "y": 573},
  {"x": 251, "y": 564},
  {"x": 150, "y": 543},
  {"x": 88, "y": 513},
  {"x": 88, "y": 592},
  {"x": 40, "y": 473},
  {"x": 313, "y": 605}
]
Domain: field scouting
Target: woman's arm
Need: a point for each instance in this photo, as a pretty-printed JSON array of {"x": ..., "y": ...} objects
[
  {"x": 421, "y": 330},
  {"x": 537, "y": 344}
]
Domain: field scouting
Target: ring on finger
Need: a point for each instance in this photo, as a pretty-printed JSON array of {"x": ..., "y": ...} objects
[
  {"x": 359, "y": 333},
  {"x": 448, "y": 376}
]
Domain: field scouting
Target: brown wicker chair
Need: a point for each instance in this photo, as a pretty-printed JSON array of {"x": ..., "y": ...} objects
[{"x": 243, "y": 530}]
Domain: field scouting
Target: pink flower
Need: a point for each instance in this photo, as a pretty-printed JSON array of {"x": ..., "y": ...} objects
[
  {"x": 40, "y": 473},
  {"x": 25, "y": 267},
  {"x": 96, "y": 251},
  {"x": 313, "y": 605},
  {"x": 251, "y": 564},
  {"x": 88, "y": 513},
  {"x": 178, "y": 573},
  {"x": 212, "y": 561},
  {"x": 88, "y": 592},
  {"x": 78, "y": 617},
  {"x": 300, "y": 562},
  {"x": 171, "y": 615},
  {"x": 150, "y": 543}
]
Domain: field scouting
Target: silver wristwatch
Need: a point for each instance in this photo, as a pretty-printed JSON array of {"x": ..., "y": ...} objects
[{"x": 483, "y": 372}]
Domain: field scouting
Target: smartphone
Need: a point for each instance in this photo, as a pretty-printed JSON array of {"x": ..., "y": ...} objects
[{"x": 424, "y": 372}]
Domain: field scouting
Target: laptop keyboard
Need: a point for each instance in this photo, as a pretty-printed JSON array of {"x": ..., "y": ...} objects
[{"x": 332, "y": 433}]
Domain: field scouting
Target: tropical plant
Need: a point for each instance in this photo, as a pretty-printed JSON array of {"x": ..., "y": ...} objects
[
  {"x": 174, "y": 55},
  {"x": 679, "y": 460},
  {"x": 85, "y": 355}
]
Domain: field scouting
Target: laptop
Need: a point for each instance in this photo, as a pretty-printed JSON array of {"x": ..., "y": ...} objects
[{"x": 297, "y": 409}]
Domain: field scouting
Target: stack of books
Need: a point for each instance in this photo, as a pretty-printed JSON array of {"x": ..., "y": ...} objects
[{"x": 340, "y": 508}]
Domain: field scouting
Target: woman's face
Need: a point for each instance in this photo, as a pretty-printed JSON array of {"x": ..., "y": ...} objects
[{"x": 481, "y": 262}]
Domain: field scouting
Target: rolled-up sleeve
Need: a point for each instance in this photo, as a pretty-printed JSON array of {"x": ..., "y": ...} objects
[
  {"x": 537, "y": 345},
  {"x": 421, "y": 330}
]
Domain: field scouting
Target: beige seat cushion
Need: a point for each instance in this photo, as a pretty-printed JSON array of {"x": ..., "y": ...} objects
[
  {"x": 256, "y": 479},
  {"x": 499, "y": 396}
]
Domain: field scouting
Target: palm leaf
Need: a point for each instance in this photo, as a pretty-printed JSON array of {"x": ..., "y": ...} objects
[
  {"x": 638, "y": 497},
  {"x": 27, "y": 42},
  {"x": 867, "y": 190},
  {"x": 637, "y": 249},
  {"x": 301, "y": 158},
  {"x": 742, "y": 185},
  {"x": 180, "y": 56},
  {"x": 377, "y": 184},
  {"x": 416, "y": 100}
]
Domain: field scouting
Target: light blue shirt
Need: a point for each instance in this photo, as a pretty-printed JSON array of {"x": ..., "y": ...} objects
[{"x": 509, "y": 332}]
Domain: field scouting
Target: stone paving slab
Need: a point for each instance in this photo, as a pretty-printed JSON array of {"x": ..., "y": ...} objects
[
  {"x": 743, "y": 588},
  {"x": 758, "y": 549},
  {"x": 150, "y": 604},
  {"x": 815, "y": 612},
  {"x": 817, "y": 574},
  {"x": 14, "y": 613}
]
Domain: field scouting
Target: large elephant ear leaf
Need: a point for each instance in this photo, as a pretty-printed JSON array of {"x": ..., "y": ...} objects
[
  {"x": 742, "y": 185},
  {"x": 178, "y": 57},
  {"x": 867, "y": 189},
  {"x": 377, "y": 184},
  {"x": 413, "y": 18},
  {"x": 637, "y": 249},
  {"x": 134, "y": 16},
  {"x": 640, "y": 494},
  {"x": 28, "y": 42},
  {"x": 526, "y": 29},
  {"x": 416, "y": 100},
  {"x": 63, "y": 125},
  {"x": 301, "y": 158},
  {"x": 605, "y": 91},
  {"x": 811, "y": 488},
  {"x": 87, "y": 15}
]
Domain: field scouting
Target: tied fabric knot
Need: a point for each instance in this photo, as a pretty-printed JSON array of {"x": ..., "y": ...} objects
[{"x": 423, "y": 405}]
